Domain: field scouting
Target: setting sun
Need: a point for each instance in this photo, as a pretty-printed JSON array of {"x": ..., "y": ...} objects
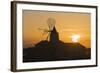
[{"x": 75, "y": 38}]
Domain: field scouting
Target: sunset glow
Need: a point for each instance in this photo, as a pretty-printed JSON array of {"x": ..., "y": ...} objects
[{"x": 66, "y": 24}]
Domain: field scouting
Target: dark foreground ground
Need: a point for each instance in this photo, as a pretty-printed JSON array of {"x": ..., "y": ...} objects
[{"x": 45, "y": 51}]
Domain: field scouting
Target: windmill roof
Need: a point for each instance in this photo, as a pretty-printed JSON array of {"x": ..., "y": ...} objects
[{"x": 54, "y": 29}]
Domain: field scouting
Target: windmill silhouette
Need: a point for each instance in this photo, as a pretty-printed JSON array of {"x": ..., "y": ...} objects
[{"x": 51, "y": 31}]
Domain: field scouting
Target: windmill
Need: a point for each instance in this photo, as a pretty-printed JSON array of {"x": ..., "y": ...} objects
[{"x": 51, "y": 24}]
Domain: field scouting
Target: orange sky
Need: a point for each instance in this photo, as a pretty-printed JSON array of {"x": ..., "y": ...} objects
[{"x": 67, "y": 24}]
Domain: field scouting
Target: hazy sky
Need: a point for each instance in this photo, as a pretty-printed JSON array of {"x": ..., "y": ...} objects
[{"x": 67, "y": 24}]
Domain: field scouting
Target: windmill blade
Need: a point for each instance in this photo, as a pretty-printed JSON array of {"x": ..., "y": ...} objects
[
  {"x": 48, "y": 36},
  {"x": 49, "y": 27},
  {"x": 51, "y": 22},
  {"x": 44, "y": 33},
  {"x": 43, "y": 29},
  {"x": 52, "y": 26}
]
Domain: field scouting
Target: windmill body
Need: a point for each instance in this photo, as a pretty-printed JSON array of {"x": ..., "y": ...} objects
[{"x": 54, "y": 36}]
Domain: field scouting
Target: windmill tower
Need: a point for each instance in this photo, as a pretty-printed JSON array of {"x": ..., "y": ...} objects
[{"x": 53, "y": 35}]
